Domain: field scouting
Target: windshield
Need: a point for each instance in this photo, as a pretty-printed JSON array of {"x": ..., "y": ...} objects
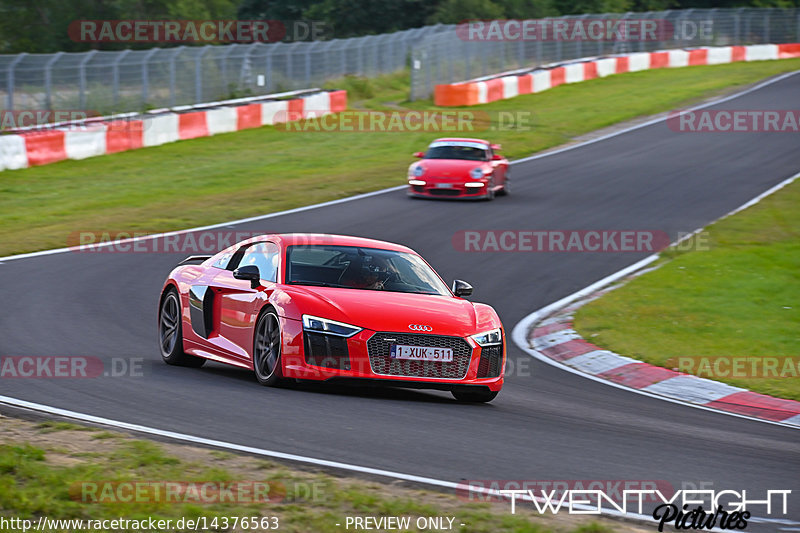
[
  {"x": 450, "y": 150},
  {"x": 355, "y": 267}
]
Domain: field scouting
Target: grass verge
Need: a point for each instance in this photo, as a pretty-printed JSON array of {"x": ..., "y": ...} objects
[
  {"x": 734, "y": 300},
  {"x": 44, "y": 467},
  {"x": 259, "y": 171}
]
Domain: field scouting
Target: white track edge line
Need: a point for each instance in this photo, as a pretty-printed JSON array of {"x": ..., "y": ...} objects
[
  {"x": 367, "y": 470},
  {"x": 664, "y": 118},
  {"x": 399, "y": 187},
  {"x": 14, "y": 402},
  {"x": 520, "y": 332}
]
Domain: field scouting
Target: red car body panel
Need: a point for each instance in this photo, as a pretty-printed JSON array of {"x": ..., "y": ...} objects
[
  {"x": 448, "y": 178},
  {"x": 235, "y": 307}
]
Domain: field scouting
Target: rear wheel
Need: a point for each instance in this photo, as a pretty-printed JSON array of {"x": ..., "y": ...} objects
[
  {"x": 170, "y": 333},
  {"x": 474, "y": 396},
  {"x": 267, "y": 349}
]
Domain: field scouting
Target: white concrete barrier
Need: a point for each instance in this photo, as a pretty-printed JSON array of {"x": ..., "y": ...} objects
[
  {"x": 718, "y": 55},
  {"x": 606, "y": 66},
  {"x": 483, "y": 92},
  {"x": 317, "y": 105},
  {"x": 541, "y": 80},
  {"x": 269, "y": 110},
  {"x": 160, "y": 129},
  {"x": 221, "y": 120},
  {"x": 678, "y": 58},
  {"x": 83, "y": 143},
  {"x": 573, "y": 73},
  {"x": 13, "y": 154},
  {"x": 510, "y": 86},
  {"x": 638, "y": 61},
  {"x": 760, "y": 52}
]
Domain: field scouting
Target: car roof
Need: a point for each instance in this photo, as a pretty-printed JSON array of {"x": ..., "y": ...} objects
[
  {"x": 464, "y": 139},
  {"x": 295, "y": 239}
]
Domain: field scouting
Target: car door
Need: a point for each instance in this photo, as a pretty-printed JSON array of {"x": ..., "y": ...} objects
[{"x": 237, "y": 304}]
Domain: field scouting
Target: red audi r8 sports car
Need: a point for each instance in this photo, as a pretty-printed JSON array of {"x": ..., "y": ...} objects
[
  {"x": 329, "y": 307},
  {"x": 459, "y": 168}
]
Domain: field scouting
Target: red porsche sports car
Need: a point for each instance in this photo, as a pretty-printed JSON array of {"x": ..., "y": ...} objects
[
  {"x": 459, "y": 168},
  {"x": 329, "y": 307}
]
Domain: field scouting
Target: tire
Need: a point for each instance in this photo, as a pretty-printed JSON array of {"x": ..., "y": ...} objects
[
  {"x": 267, "y": 349},
  {"x": 474, "y": 396},
  {"x": 490, "y": 190},
  {"x": 170, "y": 332}
]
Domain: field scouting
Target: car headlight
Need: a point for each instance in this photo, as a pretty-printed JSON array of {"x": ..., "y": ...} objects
[
  {"x": 419, "y": 171},
  {"x": 489, "y": 338},
  {"x": 476, "y": 173},
  {"x": 331, "y": 327}
]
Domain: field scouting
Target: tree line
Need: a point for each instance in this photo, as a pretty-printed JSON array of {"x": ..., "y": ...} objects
[{"x": 42, "y": 26}]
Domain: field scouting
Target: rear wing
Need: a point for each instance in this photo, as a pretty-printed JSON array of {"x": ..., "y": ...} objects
[{"x": 193, "y": 258}]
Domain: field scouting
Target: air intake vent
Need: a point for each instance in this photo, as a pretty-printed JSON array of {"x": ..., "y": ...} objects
[
  {"x": 329, "y": 351},
  {"x": 491, "y": 361}
]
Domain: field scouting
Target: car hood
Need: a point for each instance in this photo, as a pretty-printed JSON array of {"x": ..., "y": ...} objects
[
  {"x": 390, "y": 311},
  {"x": 445, "y": 168}
]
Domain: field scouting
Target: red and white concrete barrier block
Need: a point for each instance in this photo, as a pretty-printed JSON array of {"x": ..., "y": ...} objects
[
  {"x": 79, "y": 141},
  {"x": 482, "y": 92}
]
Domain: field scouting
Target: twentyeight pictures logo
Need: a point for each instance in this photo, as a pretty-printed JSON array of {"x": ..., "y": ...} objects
[{"x": 683, "y": 509}]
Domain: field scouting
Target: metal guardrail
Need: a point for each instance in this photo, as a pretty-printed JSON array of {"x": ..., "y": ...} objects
[
  {"x": 135, "y": 80},
  {"x": 446, "y": 57}
]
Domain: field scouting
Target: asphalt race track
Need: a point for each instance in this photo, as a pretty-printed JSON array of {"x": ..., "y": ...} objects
[{"x": 545, "y": 424}]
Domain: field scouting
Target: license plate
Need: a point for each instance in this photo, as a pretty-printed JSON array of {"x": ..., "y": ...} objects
[
  {"x": 444, "y": 185},
  {"x": 421, "y": 353}
]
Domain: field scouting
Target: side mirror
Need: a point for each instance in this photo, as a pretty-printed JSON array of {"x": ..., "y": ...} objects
[
  {"x": 497, "y": 157},
  {"x": 495, "y": 147},
  {"x": 419, "y": 154},
  {"x": 461, "y": 288},
  {"x": 249, "y": 272}
]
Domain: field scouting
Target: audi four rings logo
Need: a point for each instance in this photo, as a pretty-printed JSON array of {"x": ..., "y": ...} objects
[{"x": 419, "y": 327}]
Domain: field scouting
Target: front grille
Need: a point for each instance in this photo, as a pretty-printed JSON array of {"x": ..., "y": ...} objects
[
  {"x": 491, "y": 361},
  {"x": 329, "y": 351},
  {"x": 380, "y": 361},
  {"x": 418, "y": 188},
  {"x": 444, "y": 192}
]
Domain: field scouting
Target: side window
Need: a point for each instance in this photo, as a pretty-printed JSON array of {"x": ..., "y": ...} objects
[
  {"x": 223, "y": 261},
  {"x": 265, "y": 256}
]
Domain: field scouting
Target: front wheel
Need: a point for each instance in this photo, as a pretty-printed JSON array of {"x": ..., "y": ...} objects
[
  {"x": 506, "y": 190},
  {"x": 170, "y": 333},
  {"x": 490, "y": 190},
  {"x": 267, "y": 349},
  {"x": 474, "y": 396}
]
